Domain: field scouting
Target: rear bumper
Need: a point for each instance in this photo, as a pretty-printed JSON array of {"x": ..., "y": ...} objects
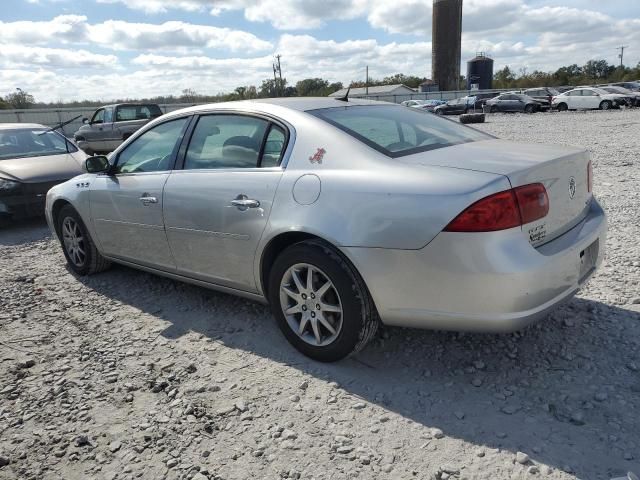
[{"x": 487, "y": 282}]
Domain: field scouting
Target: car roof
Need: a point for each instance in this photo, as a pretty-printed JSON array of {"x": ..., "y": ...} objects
[
  {"x": 266, "y": 105},
  {"x": 13, "y": 126}
]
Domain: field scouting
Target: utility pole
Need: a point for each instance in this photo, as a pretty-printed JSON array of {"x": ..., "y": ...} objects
[
  {"x": 621, "y": 54},
  {"x": 366, "y": 82},
  {"x": 277, "y": 70},
  {"x": 275, "y": 79}
]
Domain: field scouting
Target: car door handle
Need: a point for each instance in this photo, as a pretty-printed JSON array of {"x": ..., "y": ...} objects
[
  {"x": 242, "y": 202},
  {"x": 146, "y": 199}
]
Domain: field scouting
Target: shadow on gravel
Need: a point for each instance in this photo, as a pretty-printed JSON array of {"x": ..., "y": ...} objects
[
  {"x": 16, "y": 232},
  {"x": 555, "y": 391}
]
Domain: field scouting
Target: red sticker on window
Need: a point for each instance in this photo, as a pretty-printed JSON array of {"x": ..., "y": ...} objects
[{"x": 318, "y": 156}]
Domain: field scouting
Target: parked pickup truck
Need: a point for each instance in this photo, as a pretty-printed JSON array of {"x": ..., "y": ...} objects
[{"x": 111, "y": 125}]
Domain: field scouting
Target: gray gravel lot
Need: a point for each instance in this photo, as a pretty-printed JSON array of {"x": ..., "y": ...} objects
[{"x": 126, "y": 375}]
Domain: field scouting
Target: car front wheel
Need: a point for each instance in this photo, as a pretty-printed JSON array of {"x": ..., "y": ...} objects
[
  {"x": 562, "y": 107},
  {"x": 605, "y": 105},
  {"x": 320, "y": 302},
  {"x": 81, "y": 253}
]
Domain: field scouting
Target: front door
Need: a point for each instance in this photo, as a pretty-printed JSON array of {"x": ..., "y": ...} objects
[
  {"x": 95, "y": 136},
  {"x": 218, "y": 205},
  {"x": 126, "y": 205}
]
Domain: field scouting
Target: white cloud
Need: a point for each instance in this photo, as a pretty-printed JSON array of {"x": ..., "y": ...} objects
[
  {"x": 63, "y": 28},
  {"x": 121, "y": 35},
  {"x": 14, "y": 55}
]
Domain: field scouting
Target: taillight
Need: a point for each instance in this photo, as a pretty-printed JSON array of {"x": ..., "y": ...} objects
[
  {"x": 589, "y": 177},
  {"x": 533, "y": 202},
  {"x": 503, "y": 210}
]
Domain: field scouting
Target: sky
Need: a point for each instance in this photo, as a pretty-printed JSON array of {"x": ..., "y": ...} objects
[{"x": 106, "y": 49}]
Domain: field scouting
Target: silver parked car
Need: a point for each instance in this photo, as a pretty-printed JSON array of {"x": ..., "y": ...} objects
[
  {"x": 341, "y": 214},
  {"x": 33, "y": 158}
]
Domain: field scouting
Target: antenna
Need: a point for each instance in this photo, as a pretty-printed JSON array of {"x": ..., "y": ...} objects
[{"x": 346, "y": 96}]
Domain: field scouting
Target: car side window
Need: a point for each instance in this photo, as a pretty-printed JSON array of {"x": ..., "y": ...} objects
[
  {"x": 273, "y": 147},
  {"x": 225, "y": 141},
  {"x": 98, "y": 117},
  {"x": 588, "y": 93},
  {"x": 126, "y": 113},
  {"x": 154, "y": 150},
  {"x": 108, "y": 115}
]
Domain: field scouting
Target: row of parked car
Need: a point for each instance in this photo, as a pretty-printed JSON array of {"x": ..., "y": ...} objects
[{"x": 603, "y": 97}]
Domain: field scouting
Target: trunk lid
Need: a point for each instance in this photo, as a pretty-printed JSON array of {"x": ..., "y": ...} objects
[{"x": 562, "y": 170}]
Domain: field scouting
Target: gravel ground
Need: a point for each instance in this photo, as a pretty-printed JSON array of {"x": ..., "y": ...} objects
[{"x": 126, "y": 375}]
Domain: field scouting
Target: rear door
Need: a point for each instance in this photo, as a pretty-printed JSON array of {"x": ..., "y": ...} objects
[
  {"x": 217, "y": 206},
  {"x": 126, "y": 206}
]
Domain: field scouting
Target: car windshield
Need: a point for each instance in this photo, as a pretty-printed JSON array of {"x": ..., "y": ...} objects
[
  {"x": 396, "y": 131},
  {"x": 28, "y": 142}
]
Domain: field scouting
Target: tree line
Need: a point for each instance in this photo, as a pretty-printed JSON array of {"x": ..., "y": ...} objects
[{"x": 594, "y": 71}]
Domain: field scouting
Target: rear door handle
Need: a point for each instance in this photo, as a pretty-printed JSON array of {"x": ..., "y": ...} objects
[
  {"x": 146, "y": 199},
  {"x": 243, "y": 202}
]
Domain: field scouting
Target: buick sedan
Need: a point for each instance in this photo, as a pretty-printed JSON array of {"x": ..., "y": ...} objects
[{"x": 341, "y": 214}]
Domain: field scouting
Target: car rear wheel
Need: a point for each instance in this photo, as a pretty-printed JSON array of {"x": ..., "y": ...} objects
[
  {"x": 562, "y": 107},
  {"x": 320, "y": 302},
  {"x": 605, "y": 105},
  {"x": 529, "y": 109},
  {"x": 78, "y": 247}
]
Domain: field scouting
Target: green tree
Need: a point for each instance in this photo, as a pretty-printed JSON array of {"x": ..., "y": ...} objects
[
  {"x": 312, "y": 87},
  {"x": 273, "y": 88},
  {"x": 597, "y": 69},
  {"x": 504, "y": 78},
  {"x": 20, "y": 99},
  {"x": 400, "y": 78}
]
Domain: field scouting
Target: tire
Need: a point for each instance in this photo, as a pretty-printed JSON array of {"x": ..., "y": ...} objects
[
  {"x": 88, "y": 259},
  {"x": 605, "y": 105},
  {"x": 493, "y": 109},
  {"x": 529, "y": 109},
  {"x": 89, "y": 152},
  {"x": 439, "y": 112},
  {"x": 354, "y": 326},
  {"x": 472, "y": 118},
  {"x": 563, "y": 107}
]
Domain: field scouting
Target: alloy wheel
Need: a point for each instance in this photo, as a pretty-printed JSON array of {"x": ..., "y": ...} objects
[
  {"x": 311, "y": 304},
  {"x": 74, "y": 242}
]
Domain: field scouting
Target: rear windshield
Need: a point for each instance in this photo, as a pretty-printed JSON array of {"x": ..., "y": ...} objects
[
  {"x": 397, "y": 131},
  {"x": 21, "y": 143}
]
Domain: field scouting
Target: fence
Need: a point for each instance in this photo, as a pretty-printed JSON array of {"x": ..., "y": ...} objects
[
  {"x": 449, "y": 95},
  {"x": 54, "y": 116}
]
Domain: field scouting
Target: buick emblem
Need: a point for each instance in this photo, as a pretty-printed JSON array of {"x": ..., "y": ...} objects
[{"x": 572, "y": 187}]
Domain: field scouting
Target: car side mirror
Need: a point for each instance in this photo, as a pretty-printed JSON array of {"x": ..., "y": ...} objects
[
  {"x": 85, "y": 120},
  {"x": 97, "y": 164}
]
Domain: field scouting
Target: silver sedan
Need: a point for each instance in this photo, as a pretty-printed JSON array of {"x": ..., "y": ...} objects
[{"x": 341, "y": 215}]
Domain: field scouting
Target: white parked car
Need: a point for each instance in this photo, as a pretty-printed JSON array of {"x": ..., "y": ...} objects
[{"x": 587, "y": 99}]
